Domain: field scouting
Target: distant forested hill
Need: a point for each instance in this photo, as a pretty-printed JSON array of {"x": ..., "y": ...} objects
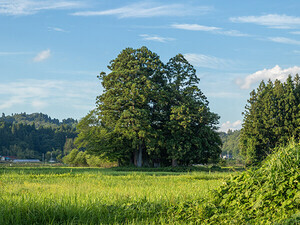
[
  {"x": 230, "y": 142},
  {"x": 38, "y": 119},
  {"x": 32, "y": 135}
]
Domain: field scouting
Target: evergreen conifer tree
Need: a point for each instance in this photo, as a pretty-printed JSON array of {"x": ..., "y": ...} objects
[{"x": 271, "y": 118}]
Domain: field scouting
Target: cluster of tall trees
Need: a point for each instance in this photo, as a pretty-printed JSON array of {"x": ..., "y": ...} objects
[
  {"x": 271, "y": 118},
  {"x": 22, "y": 138},
  {"x": 151, "y": 113}
]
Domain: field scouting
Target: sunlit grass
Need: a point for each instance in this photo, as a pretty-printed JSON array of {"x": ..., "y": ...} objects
[{"x": 99, "y": 196}]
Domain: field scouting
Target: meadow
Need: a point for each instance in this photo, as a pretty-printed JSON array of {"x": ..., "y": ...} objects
[
  {"x": 64, "y": 195},
  {"x": 266, "y": 194}
]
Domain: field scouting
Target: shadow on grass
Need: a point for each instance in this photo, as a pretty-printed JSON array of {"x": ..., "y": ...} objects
[
  {"x": 139, "y": 212},
  {"x": 180, "y": 169},
  {"x": 118, "y": 171}
]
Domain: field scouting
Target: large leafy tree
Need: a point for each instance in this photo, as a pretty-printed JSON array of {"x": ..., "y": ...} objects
[
  {"x": 271, "y": 118},
  {"x": 151, "y": 113},
  {"x": 191, "y": 126},
  {"x": 124, "y": 107}
]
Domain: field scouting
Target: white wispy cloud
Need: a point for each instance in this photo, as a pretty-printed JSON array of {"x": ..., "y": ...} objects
[
  {"x": 39, "y": 94},
  {"x": 284, "y": 40},
  {"x": 56, "y": 29},
  {"x": 24, "y": 92},
  {"x": 206, "y": 61},
  {"x": 41, "y": 56},
  {"x": 215, "y": 30},
  {"x": 270, "y": 20},
  {"x": 28, "y": 7},
  {"x": 148, "y": 37},
  {"x": 233, "y": 33},
  {"x": 195, "y": 27},
  {"x": 231, "y": 125},
  {"x": 149, "y": 9},
  {"x": 295, "y": 32},
  {"x": 275, "y": 73}
]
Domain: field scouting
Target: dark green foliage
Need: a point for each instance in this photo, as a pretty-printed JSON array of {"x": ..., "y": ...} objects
[
  {"x": 150, "y": 114},
  {"x": 125, "y": 108},
  {"x": 180, "y": 169},
  {"x": 98, "y": 141},
  {"x": 261, "y": 196},
  {"x": 190, "y": 132},
  {"x": 20, "y": 137},
  {"x": 271, "y": 118}
]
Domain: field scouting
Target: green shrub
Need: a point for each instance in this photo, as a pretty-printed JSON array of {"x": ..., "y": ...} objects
[
  {"x": 96, "y": 161},
  {"x": 295, "y": 219},
  {"x": 80, "y": 159},
  {"x": 69, "y": 159},
  {"x": 265, "y": 195}
]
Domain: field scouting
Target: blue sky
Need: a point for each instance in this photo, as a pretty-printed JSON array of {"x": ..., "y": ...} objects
[{"x": 52, "y": 51}]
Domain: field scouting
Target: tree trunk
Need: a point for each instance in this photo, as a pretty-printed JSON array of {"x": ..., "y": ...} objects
[
  {"x": 135, "y": 156},
  {"x": 174, "y": 163},
  {"x": 139, "y": 161}
]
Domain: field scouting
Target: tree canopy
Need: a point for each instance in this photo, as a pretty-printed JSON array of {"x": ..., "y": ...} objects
[
  {"x": 151, "y": 113},
  {"x": 271, "y": 118}
]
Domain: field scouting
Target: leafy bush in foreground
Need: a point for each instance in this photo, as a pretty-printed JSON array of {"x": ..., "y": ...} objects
[{"x": 266, "y": 195}]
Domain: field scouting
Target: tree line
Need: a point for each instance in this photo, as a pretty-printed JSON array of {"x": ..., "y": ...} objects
[
  {"x": 22, "y": 138},
  {"x": 38, "y": 119}
]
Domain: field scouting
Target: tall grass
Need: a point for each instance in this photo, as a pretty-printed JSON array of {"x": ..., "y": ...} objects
[
  {"x": 269, "y": 194},
  {"x": 102, "y": 196}
]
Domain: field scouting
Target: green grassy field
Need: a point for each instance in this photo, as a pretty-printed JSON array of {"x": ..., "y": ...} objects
[{"x": 56, "y": 195}]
